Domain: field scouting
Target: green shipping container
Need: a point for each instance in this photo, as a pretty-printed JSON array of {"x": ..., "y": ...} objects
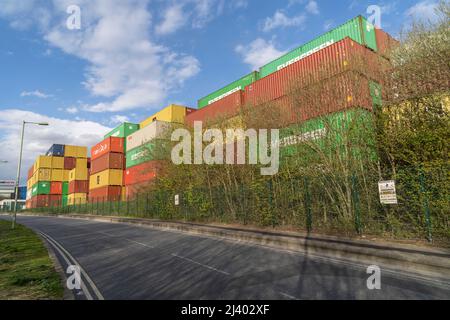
[
  {"x": 123, "y": 131},
  {"x": 65, "y": 188},
  {"x": 65, "y": 200},
  {"x": 229, "y": 89},
  {"x": 330, "y": 134},
  {"x": 358, "y": 29},
  {"x": 155, "y": 150},
  {"x": 40, "y": 188}
]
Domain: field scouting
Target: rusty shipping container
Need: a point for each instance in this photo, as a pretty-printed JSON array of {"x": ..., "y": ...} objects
[
  {"x": 78, "y": 186},
  {"x": 70, "y": 163},
  {"x": 108, "y": 161},
  {"x": 345, "y": 55},
  {"x": 144, "y": 172},
  {"x": 225, "y": 108},
  {"x": 345, "y": 91},
  {"x": 134, "y": 190},
  {"x": 111, "y": 144},
  {"x": 385, "y": 43},
  {"x": 107, "y": 193}
]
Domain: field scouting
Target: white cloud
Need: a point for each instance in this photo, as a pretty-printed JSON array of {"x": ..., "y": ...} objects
[
  {"x": 258, "y": 53},
  {"x": 280, "y": 20},
  {"x": 173, "y": 19},
  {"x": 36, "y": 93},
  {"x": 39, "y": 139},
  {"x": 424, "y": 10},
  {"x": 312, "y": 7},
  {"x": 72, "y": 110},
  {"x": 328, "y": 25},
  {"x": 117, "y": 119}
]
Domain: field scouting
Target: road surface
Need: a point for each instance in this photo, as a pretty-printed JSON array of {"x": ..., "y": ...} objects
[{"x": 120, "y": 261}]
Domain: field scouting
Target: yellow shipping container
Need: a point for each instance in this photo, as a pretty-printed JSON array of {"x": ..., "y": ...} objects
[
  {"x": 78, "y": 174},
  {"x": 106, "y": 178},
  {"x": 57, "y": 162},
  {"x": 173, "y": 113},
  {"x": 42, "y": 175},
  {"x": 76, "y": 199},
  {"x": 66, "y": 175},
  {"x": 30, "y": 184},
  {"x": 43, "y": 162},
  {"x": 70, "y": 151},
  {"x": 81, "y": 152},
  {"x": 57, "y": 175},
  {"x": 81, "y": 163}
]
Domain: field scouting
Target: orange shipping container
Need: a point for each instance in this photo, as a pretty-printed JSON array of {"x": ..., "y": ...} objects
[
  {"x": 111, "y": 144},
  {"x": 56, "y": 188}
]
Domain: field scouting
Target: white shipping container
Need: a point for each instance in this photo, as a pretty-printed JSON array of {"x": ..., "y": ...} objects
[
  {"x": 29, "y": 194},
  {"x": 156, "y": 130}
]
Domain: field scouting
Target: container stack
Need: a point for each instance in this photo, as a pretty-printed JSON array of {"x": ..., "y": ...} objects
[
  {"x": 48, "y": 178},
  {"x": 108, "y": 164},
  {"x": 78, "y": 184}
]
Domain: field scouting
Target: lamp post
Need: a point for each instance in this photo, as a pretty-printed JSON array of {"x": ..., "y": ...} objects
[{"x": 19, "y": 165}]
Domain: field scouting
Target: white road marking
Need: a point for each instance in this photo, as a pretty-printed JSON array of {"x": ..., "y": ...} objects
[
  {"x": 89, "y": 280},
  {"x": 126, "y": 239},
  {"x": 200, "y": 264},
  {"x": 288, "y": 296}
]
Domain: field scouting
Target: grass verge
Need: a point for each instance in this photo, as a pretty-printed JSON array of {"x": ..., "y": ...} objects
[{"x": 26, "y": 270}]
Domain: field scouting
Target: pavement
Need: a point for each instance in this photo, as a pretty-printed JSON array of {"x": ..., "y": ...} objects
[{"x": 132, "y": 262}]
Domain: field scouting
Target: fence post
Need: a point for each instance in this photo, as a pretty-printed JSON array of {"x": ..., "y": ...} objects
[
  {"x": 307, "y": 205},
  {"x": 356, "y": 205},
  {"x": 426, "y": 206},
  {"x": 146, "y": 205}
]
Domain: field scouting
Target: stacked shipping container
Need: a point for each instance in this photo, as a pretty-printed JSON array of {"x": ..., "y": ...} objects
[{"x": 48, "y": 178}]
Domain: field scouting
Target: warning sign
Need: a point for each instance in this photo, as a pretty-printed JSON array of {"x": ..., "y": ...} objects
[
  {"x": 388, "y": 194},
  {"x": 177, "y": 199}
]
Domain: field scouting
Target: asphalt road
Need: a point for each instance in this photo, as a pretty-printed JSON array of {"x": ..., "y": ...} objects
[{"x": 120, "y": 261}]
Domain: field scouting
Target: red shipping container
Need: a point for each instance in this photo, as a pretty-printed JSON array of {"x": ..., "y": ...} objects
[
  {"x": 111, "y": 144},
  {"x": 346, "y": 91},
  {"x": 70, "y": 163},
  {"x": 42, "y": 201},
  {"x": 225, "y": 108},
  {"x": 109, "y": 193},
  {"x": 345, "y": 55},
  {"x": 56, "y": 188},
  {"x": 55, "y": 200},
  {"x": 385, "y": 43},
  {"x": 78, "y": 186},
  {"x": 145, "y": 172},
  {"x": 134, "y": 190},
  {"x": 108, "y": 161}
]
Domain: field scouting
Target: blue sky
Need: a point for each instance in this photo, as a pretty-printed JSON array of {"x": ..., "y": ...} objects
[{"x": 132, "y": 58}]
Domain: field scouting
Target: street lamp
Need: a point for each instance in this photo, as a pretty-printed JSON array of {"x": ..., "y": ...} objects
[
  {"x": 3, "y": 161},
  {"x": 19, "y": 165}
]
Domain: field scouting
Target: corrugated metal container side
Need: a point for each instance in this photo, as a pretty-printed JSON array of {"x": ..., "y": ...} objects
[
  {"x": 43, "y": 175},
  {"x": 65, "y": 188},
  {"x": 123, "y": 131},
  {"x": 358, "y": 29},
  {"x": 155, "y": 130},
  {"x": 56, "y": 150},
  {"x": 30, "y": 172},
  {"x": 173, "y": 113},
  {"x": 78, "y": 174},
  {"x": 340, "y": 57},
  {"x": 233, "y": 87},
  {"x": 108, "y": 161},
  {"x": 71, "y": 151},
  {"x": 131, "y": 191},
  {"x": 105, "y": 194},
  {"x": 65, "y": 200},
  {"x": 69, "y": 163},
  {"x": 78, "y": 186},
  {"x": 57, "y": 162},
  {"x": 346, "y": 91},
  {"x": 41, "y": 188},
  {"x": 43, "y": 162},
  {"x": 56, "y": 188},
  {"x": 41, "y": 201},
  {"x": 57, "y": 175},
  {"x": 154, "y": 150},
  {"x": 385, "y": 43},
  {"x": 144, "y": 172},
  {"x": 111, "y": 144},
  {"x": 77, "y": 199},
  {"x": 105, "y": 178},
  {"x": 225, "y": 108}
]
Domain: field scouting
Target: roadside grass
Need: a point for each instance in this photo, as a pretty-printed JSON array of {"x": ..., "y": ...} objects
[{"x": 26, "y": 270}]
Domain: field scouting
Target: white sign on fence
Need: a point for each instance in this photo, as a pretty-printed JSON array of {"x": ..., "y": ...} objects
[
  {"x": 177, "y": 199},
  {"x": 388, "y": 194}
]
